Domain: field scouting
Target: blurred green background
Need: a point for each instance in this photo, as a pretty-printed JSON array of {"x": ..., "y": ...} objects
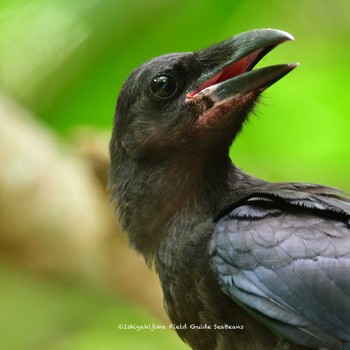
[{"x": 65, "y": 62}]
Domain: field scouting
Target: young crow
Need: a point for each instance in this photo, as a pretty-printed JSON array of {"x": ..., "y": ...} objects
[{"x": 243, "y": 263}]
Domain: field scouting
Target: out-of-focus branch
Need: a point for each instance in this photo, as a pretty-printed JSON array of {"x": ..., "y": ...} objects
[{"x": 55, "y": 216}]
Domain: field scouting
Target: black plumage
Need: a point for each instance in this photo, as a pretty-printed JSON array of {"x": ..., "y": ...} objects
[{"x": 243, "y": 263}]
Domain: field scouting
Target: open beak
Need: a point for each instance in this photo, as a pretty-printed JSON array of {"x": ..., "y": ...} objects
[{"x": 227, "y": 68}]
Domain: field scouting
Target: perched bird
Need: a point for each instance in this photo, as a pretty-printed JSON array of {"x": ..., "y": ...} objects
[{"x": 243, "y": 263}]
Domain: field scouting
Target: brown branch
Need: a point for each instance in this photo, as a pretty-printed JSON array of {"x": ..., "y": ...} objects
[{"x": 55, "y": 216}]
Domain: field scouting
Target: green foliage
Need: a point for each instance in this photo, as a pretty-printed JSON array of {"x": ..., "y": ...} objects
[
  {"x": 67, "y": 60},
  {"x": 43, "y": 314}
]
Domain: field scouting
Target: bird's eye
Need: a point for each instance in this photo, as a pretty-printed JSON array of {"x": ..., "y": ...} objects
[{"x": 164, "y": 86}]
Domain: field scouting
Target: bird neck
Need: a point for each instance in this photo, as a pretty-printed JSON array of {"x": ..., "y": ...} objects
[{"x": 158, "y": 199}]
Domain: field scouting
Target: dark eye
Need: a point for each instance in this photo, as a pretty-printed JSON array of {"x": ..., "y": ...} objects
[{"x": 163, "y": 86}]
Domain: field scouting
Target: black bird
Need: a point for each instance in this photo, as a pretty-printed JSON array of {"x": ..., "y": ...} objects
[{"x": 243, "y": 263}]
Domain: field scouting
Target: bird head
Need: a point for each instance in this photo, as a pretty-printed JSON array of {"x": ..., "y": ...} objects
[
  {"x": 175, "y": 120},
  {"x": 194, "y": 102}
]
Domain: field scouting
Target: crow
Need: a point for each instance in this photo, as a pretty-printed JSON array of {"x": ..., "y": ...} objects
[{"x": 243, "y": 263}]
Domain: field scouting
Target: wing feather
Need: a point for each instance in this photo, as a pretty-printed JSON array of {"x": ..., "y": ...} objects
[{"x": 284, "y": 256}]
